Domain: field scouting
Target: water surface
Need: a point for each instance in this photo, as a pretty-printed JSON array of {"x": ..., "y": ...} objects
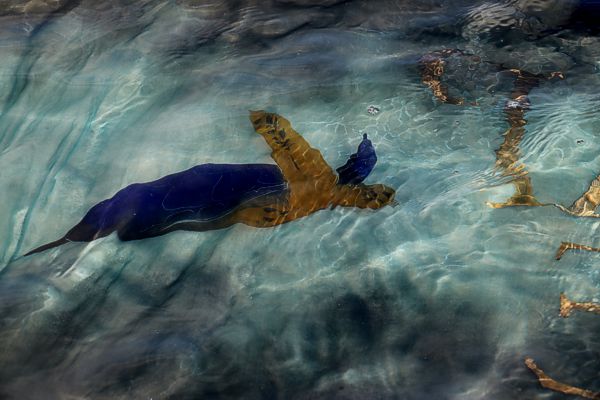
[{"x": 441, "y": 297}]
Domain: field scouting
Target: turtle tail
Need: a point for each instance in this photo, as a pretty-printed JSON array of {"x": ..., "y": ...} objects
[{"x": 47, "y": 246}]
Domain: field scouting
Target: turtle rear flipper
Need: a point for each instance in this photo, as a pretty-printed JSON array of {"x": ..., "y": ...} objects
[{"x": 47, "y": 246}]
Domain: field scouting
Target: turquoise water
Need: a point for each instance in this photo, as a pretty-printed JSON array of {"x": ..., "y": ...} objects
[{"x": 440, "y": 297}]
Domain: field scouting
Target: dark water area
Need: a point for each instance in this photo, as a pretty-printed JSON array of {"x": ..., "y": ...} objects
[{"x": 484, "y": 119}]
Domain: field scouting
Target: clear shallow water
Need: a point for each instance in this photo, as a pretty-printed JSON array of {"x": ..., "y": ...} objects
[{"x": 440, "y": 297}]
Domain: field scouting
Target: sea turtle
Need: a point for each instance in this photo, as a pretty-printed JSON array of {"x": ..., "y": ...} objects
[{"x": 214, "y": 196}]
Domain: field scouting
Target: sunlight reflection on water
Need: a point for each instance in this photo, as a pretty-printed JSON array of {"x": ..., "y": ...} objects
[{"x": 440, "y": 297}]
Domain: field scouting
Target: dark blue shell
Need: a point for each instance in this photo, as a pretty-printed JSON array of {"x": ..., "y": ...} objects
[
  {"x": 203, "y": 193},
  {"x": 359, "y": 165}
]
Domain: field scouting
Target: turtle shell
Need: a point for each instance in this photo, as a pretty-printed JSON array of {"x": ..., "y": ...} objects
[{"x": 202, "y": 194}]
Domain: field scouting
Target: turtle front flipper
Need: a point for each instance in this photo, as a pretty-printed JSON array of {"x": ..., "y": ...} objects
[
  {"x": 363, "y": 196},
  {"x": 308, "y": 175},
  {"x": 312, "y": 183}
]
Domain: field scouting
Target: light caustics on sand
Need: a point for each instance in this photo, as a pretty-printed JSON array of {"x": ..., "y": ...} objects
[
  {"x": 432, "y": 66},
  {"x": 508, "y": 154},
  {"x": 507, "y": 158},
  {"x": 551, "y": 384},
  {"x": 585, "y": 206},
  {"x": 507, "y": 161},
  {"x": 566, "y": 307},
  {"x": 564, "y": 246}
]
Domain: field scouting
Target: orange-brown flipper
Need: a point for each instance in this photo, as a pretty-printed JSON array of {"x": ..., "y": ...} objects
[
  {"x": 363, "y": 196},
  {"x": 311, "y": 181},
  {"x": 300, "y": 163}
]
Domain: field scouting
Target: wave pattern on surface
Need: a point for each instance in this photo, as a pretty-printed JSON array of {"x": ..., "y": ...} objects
[{"x": 438, "y": 298}]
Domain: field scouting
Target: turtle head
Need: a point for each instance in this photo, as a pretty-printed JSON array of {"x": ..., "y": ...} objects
[{"x": 359, "y": 165}]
